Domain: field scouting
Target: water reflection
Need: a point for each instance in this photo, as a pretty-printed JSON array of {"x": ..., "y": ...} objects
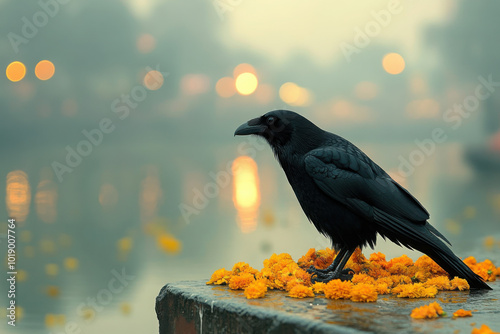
[
  {"x": 18, "y": 195},
  {"x": 246, "y": 192}
]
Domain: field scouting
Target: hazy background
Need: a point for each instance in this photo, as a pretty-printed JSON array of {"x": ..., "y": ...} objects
[{"x": 155, "y": 196}]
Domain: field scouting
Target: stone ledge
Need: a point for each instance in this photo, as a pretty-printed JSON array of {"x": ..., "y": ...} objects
[{"x": 194, "y": 307}]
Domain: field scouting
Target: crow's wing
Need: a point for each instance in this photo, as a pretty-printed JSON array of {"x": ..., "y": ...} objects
[{"x": 351, "y": 178}]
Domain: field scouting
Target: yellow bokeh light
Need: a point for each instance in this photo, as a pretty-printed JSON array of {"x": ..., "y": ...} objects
[
  {"x": 71, "y": 263},
  {"x": 246, "y": 83},
  {"x": 393, "y": 63},
  {"x": 168, "y": 243},
  {"x": 153, "y": 80},
  {"x": 294, "y": 95},
  {"x": 225, "y": 87},
  {"x": 243, "y": 68},
  {"x": 246, "y": 192},
  {"x": 44, "y": 70},
  {"x": 15, "y": 71},
  {"x": 52, "y": 269}
]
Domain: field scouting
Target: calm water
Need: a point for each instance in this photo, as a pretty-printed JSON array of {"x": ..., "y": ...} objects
[{"x": 95, "y": 249}]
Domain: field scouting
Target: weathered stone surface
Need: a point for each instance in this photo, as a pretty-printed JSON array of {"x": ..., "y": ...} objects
[{"x": 194, "y": 307}]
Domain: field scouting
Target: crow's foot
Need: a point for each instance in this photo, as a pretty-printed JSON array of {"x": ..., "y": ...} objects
[{"x": 319, "y": 275}]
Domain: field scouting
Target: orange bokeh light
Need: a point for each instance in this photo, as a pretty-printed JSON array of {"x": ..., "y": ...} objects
[
  {"x": 15, "y": 71},
  {"x": 44, "y": 70},
  {"x": 146, "y": 43},
  {"x": 153, "y": 80},
  {"x": 393, "y": 63},
  {"x": 225, "y": 87},
  {"x": 246, "y": 192},
  {"x": 294, "y": 95},
  {"x": 243, "y": 68},
  {"x": 18, "y": 195}
]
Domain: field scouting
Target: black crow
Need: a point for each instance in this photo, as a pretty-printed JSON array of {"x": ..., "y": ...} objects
[{"x": 348, "y": 197}]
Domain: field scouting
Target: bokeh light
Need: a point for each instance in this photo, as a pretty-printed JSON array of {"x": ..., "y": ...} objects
[
  {"x": 246, "y": 83},
  {"x": 15, "y": 71},
  {"x": 294, "y": 95},
  {"x": 243, "y": 68},
  {"x": 194, "y": 84},
  {"x": 225, "y": 87},
  {"x": 146, "y": 43},
  {"x": 426, "y": 108},
  {"x": 18, "y": 195},
  {"x": 366, "y": 90},
  {"x": 46, "y": 201},
  {"x": 153, "y": 80},
  {"x": 44, "y": 70},
  {"x": 108, "y": 195},
  {"x": 393, "y": 63},
  {"x": 246, "y": 192}
]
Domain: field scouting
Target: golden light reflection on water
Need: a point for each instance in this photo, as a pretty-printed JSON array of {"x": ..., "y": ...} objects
[
  {"x": 46, "y": 201},
  {"x": 246, "y": 192},
  {"x": 18, "y": 195}
]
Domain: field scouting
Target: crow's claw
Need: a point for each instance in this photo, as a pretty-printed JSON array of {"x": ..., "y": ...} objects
[{"x": 344, "y": 275}]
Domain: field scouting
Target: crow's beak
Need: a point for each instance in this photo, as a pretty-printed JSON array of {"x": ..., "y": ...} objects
[{"x": 252, "y": 127}]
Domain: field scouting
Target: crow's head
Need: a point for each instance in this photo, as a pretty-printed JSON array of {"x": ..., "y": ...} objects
[{"x": 281, "y": 129}]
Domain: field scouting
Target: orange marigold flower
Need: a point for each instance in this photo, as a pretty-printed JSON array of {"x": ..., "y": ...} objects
[
  {"x": 256, "y": 289},
  {"x": 301, "y": 291},
  {"x": 497, "y": 272},
  {"x": 440, "y": 282},
  {"x": 375, "y": 270},
  {"x": 459, "y": 284},
  {"x": 220, "y": 276},
  {"x": 421, "y": 275},
  {"x": 385, "y": 280},
  {"x": 400, "y": 279},
  {"x": 240, "y": 282},
  {"x": 324, "y": 258},
  {"x": 243, "y": 267},
  {"x": 425, "y": 262},
  {"x": 483, "y": 330},
  {"x": 363, "y": 293},
  {"x": 382, "y": 288},
  {"x": 433, "y": 310},
  {"x": 319, "y": 287},
  {"x": 378, "y": 258},
  {"x": 307, "y": 260},
  {"x": 462, "y": 313},
  {"x": 358, "y": 257},
  {"x": 398, "y": 269},
  {"x": 337, "y": 289},
  {"x": 470, "y": 261},
  {"x": 417, "y": 290},
  {"x": 403, "y": 259},
  {"x": 362, "y": 278}
]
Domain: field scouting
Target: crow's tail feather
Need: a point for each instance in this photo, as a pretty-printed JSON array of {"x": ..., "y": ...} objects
[{"x": 426, "y": 239}]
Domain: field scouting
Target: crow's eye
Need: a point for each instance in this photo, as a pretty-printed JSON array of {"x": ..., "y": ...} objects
[{"x": 270, "y": 120}]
